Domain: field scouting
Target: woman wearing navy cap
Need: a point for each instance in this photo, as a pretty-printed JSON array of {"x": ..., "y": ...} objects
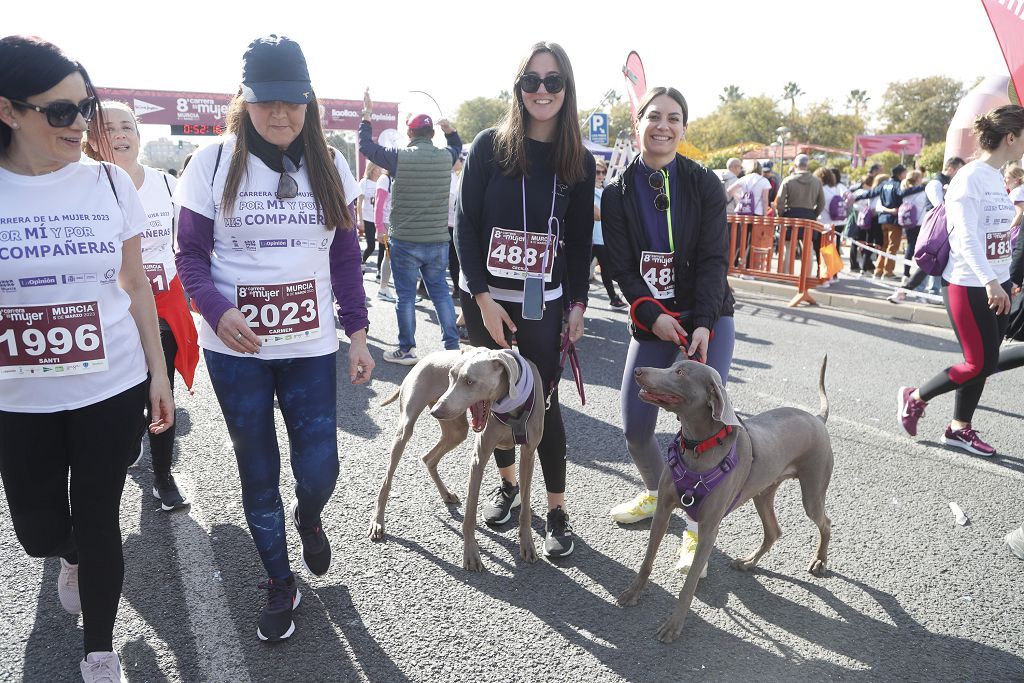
[{"x": 271, "y": 205}]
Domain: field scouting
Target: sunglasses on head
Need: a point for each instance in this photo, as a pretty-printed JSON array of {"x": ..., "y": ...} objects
[
  {"x": 62, "y": 114},
  {"x": 287, "y": 188},
  {"x": 531, "y": 83},
  {"x": 657, "y": 182}
]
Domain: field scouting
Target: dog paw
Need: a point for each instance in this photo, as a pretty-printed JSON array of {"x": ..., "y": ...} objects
[
  {"x": 451, "y": 499},
  {"x": 743, "y": 564},
  {"x": 471, "y": 561},
  {"x": 376, "y": 532},
  {"x": 816, "y": 567},
  {"x": 528, "y": 551},
  {"x": 628, "y": 599},
  {"x": 670, "y": 629}
]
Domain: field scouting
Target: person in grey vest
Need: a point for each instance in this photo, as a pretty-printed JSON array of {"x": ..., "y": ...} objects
[{"x": 418, "y": 236}]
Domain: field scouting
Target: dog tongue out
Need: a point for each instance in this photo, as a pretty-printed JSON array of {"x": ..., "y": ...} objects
[{"x": 478, "y": 413}]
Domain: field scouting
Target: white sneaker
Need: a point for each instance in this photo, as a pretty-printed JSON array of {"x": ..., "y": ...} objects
[
  {"x": 687, "y": 549},
  {"x": 640, "y": 507},
  {"x": 138, "y": 457},
  {"x": 1015, "y": 542},
  {"x": 102, "y": 667},
  {"x": 67, "y": 587}
]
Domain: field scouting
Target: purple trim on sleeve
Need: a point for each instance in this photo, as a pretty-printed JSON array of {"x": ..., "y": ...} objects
[
  {"x": 195, "y": 244},
  {"x": 347, "y": 279}
]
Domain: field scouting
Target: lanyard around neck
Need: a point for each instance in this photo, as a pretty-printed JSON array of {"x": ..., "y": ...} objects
[
  {"x": 668, "y": 212},
  {"x": 552, "y": 221}
]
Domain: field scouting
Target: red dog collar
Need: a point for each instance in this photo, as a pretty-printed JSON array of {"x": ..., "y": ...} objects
[{"x": 699, "y": 447}]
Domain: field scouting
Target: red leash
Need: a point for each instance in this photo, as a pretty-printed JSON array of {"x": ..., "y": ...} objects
[{"x": 666, "y": 311}]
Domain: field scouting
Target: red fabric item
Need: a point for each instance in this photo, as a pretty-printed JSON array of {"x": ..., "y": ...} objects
[
  {"x": 1006, "y": 19},
  {"x": 970, "y": 336},
  {"x": 873, "y": 144},
  {"x": 636, "y": 81},
  {"x": 170, "y": 306}
]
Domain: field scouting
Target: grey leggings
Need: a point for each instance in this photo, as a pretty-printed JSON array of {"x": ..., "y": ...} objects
[{"x": 639, "y": 418}]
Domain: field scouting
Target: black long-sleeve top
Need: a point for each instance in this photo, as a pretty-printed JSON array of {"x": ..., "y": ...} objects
[{"x": 488, "y": 198}]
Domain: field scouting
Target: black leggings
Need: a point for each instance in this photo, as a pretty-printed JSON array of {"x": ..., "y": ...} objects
[
  {"x": 96, "y": 443},
  {"x": 453, "y": 259},
  {"x": 980, "y": 332},
  {"x": 538, "y": 341},
  {"x": 370, "y": 236},
  {"x": 161, "y": 446},
  {"x": 601, "y": 254}
]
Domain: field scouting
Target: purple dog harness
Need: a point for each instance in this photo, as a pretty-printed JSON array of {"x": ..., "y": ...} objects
[
  {"x": 502, "y": 410},
  {"x": 694, "y": 487}
]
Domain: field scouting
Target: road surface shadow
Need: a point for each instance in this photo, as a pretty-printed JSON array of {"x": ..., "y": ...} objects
[{"x": 1010, "y": 462}]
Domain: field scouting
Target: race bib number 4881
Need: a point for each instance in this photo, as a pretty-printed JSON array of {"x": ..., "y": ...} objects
[
  {"x": 282, "y": 313},
  {"x": 509, "y": 255},
  {"x": 51, "y": 340}
]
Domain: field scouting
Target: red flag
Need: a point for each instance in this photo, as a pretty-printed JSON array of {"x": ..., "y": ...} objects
[
  {"x": 1007, "y": 17},
  {"x": 636, "y": 82}
]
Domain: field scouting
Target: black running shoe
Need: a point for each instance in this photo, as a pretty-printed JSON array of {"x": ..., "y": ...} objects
[
  {"x": 316, "y": 549},
  {"x": 557, "y": 534},
  {"x": 166, "y": 490},
  {"x": 503, "y": 499},
  {"x": 276, "y": 618}
]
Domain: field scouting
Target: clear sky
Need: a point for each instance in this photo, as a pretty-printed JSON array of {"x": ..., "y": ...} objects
[{"x": 459, "y": 49}]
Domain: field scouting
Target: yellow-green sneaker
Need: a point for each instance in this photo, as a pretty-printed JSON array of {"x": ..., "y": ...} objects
[
  {"x": 640, "y": 507},
  {"x": 687, "y": 549}
]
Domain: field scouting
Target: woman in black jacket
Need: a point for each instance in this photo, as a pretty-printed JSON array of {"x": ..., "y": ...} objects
[{"x": 665, "y": 231}]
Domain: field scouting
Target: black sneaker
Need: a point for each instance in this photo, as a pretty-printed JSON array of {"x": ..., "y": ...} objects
[
  {"x": 166, "y": 490},
  {"x": 276, "y": 618},
  {"x": 316, "y": 549},
  {"x": 557, "y": 534},
  {"x": 503, "y": 499}
]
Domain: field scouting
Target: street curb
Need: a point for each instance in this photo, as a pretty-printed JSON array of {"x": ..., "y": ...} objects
[{"x": 878, "y": 308}]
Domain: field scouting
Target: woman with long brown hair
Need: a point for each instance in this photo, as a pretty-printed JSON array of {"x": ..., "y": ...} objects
[
  {"x": 265, "y": 236},
  {"x": 523, "y": 231}
]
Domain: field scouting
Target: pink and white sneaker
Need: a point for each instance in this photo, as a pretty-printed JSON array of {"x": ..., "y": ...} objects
[
  {"x": 968, "y": 440},
  {"x": 908, "y": 409}
]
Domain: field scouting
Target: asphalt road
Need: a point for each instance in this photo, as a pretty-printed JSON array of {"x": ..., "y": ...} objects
[{"x": 908, "y": 595}]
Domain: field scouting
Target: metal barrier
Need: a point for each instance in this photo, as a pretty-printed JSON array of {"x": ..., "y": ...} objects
[{"x": 754, "y": 251}]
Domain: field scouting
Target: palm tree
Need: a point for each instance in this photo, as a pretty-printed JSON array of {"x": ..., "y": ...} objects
[
  {"x": 857, "y": 99},
  {"x": 790, "y": 92},
  {"x": 730, "y": 93}
]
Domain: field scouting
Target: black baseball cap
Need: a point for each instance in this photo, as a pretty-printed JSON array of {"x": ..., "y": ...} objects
[{"x": 274, "y": 69}]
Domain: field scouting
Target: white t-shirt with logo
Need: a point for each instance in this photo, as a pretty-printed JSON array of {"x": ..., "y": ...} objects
[
  {"x": 271, "y": 257},
  {"x": 369, "y": 189},
  {"x": 756, "y": 183},
  {"x": 1017, "y": 194},
  {"x": 67, "y": 338},
  {"x": 979, "y": 214},
  {"x": 158, "y": 238}
]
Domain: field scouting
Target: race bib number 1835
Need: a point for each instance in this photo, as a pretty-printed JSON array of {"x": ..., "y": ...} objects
[
  {"x": 51, "y": 340},
  {"x": 282, "y": 313}
]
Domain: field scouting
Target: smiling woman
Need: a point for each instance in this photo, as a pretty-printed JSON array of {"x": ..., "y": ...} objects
[{"x": 71, "y": 391}]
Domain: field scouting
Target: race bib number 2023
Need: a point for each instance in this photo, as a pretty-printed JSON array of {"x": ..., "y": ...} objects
[
  {"x": 280, "y": 313},
  {"x": 51, "y": 340}
]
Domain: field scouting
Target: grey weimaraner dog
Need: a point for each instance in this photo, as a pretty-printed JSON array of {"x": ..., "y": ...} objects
[
  {"x": 453, "y": 382},
  {"x": 779, "y": 444}
]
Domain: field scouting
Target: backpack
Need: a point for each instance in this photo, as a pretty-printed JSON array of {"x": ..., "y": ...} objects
[
  {"x": 865, "y": 215},
  {"x": 837, "y": 209},
  {"x": 906, "y": 216},
  {"x": 746, "y": 203},
  {"x": 932, "y": 252}
]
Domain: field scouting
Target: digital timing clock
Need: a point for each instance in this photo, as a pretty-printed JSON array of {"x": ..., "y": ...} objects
[{"x": 197, "y": 129}]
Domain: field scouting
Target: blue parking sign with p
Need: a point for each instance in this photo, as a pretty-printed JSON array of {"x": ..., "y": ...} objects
[{"x": 599, "y": 128}]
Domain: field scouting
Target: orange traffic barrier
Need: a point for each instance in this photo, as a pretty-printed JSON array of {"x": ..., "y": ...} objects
[{"x": 755, "y": 251}]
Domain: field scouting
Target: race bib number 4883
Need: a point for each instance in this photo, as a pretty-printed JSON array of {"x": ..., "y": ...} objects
[
  {"x": 280, "y": 314},
  {"x": 659, "y": 273},
  {"x": 51, "y": 340}
]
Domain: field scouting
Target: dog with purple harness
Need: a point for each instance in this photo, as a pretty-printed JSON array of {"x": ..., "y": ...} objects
[{"x": 717, "y": 463}]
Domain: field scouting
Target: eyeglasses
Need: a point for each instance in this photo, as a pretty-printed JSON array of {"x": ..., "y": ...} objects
[
  {"x": 63, "y": 114},
  {"x": 657, "y": 182},
  {"x": 531, "y": 83},
  {"x": 287, "y": 188},
  {"x": 599, "y": 172}
]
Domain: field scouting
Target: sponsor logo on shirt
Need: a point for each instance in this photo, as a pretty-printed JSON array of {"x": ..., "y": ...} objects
[
  {"x": 7, "y": 286},
  {"x": 273, "y": 243},
  {"x": 243, "y": 245},
  {"x": 305, "y": 244},
  {"x": 78, "y": 278},
  {"x": 108, "y": 276},
  {"x": 41, "y": 281}
]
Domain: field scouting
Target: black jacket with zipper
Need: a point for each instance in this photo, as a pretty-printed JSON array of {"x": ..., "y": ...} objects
[{"x": 701, "y": 237}]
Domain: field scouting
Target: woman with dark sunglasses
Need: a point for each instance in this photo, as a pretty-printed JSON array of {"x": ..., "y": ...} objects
[
  {"x": 529, "y": 182},
  {"x": 177, "y": 330},
  {"x": 265, "y": 235},
  {"x": 78, "y": 334},
  {"x": 667, "y": 243}
]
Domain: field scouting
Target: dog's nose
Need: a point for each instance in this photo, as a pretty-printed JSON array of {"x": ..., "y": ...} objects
[{"x": 639, "y": 372}]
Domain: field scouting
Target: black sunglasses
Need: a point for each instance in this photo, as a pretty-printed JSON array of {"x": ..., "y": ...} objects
[
  {"x": 657, "y": 182},
  {"x": 531, "y": 83},
  {"x": 287, "y": 188},
  {"x": 63, "y": 114}
]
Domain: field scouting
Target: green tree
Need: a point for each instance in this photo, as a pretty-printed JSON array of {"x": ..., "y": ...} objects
[
  {"x": 345, "y": 146},
  {"x": 480, "y": 113},
  {"x": 620, "y": 120},
  {"x": 751, "y": 119},
  {"x": 790, "y": 92},
  {"x": 730, "y": 93},
  {"x": 921, "y": 105},
  {"x": 931, "y": 156},
  {"x": 820, "y": 125},
  {"x": 857, "y": 99}
]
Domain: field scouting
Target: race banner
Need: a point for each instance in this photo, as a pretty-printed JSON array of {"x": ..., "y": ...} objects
[
  {"x": 1007, "y": 19},
  {"x": 636, "y": 81}
]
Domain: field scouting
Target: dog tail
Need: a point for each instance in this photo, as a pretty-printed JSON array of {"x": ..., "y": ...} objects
[
  {"x": 392, "y": 398},
  {"x": 823, "y": 411}
]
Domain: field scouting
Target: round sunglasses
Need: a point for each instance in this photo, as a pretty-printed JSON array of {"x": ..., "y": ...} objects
[
  {"x": 62, "y": 114},
  {"x": 531, "y": 83}
]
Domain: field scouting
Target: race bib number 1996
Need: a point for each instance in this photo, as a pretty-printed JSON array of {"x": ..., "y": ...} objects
[
  {"x": 51, "y": 340},
  {"x": 658, "y": 272},
  {"x": 280, "y": 314}
]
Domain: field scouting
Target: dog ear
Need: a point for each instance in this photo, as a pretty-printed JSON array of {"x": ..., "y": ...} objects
[
  {"x": 508, "y": 362},
  {"x": 717, "y": 400}
]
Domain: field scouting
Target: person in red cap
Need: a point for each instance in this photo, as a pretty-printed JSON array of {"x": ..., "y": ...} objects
[{"x": 418, "y": 236}]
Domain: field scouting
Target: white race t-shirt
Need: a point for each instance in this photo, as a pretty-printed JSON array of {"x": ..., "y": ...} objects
[
  {"x": 1017, "y": 194},
  {"x": 978, "y": 215},
  {"x": 158, "y": 239},
  {"x": 67, "y": 339},
  {"x": 369, "y": 189},
  {"x": 271, "y": 257},
  {"x": 756, "y": 183},
  {"x": 453, "y": 196}
]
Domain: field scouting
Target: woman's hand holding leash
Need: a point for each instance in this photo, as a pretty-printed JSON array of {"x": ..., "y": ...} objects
[
  {"x": 699, "y": 346},
  {"x": 668, "y": 329},
  {"x": 576, "y": 323}
]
